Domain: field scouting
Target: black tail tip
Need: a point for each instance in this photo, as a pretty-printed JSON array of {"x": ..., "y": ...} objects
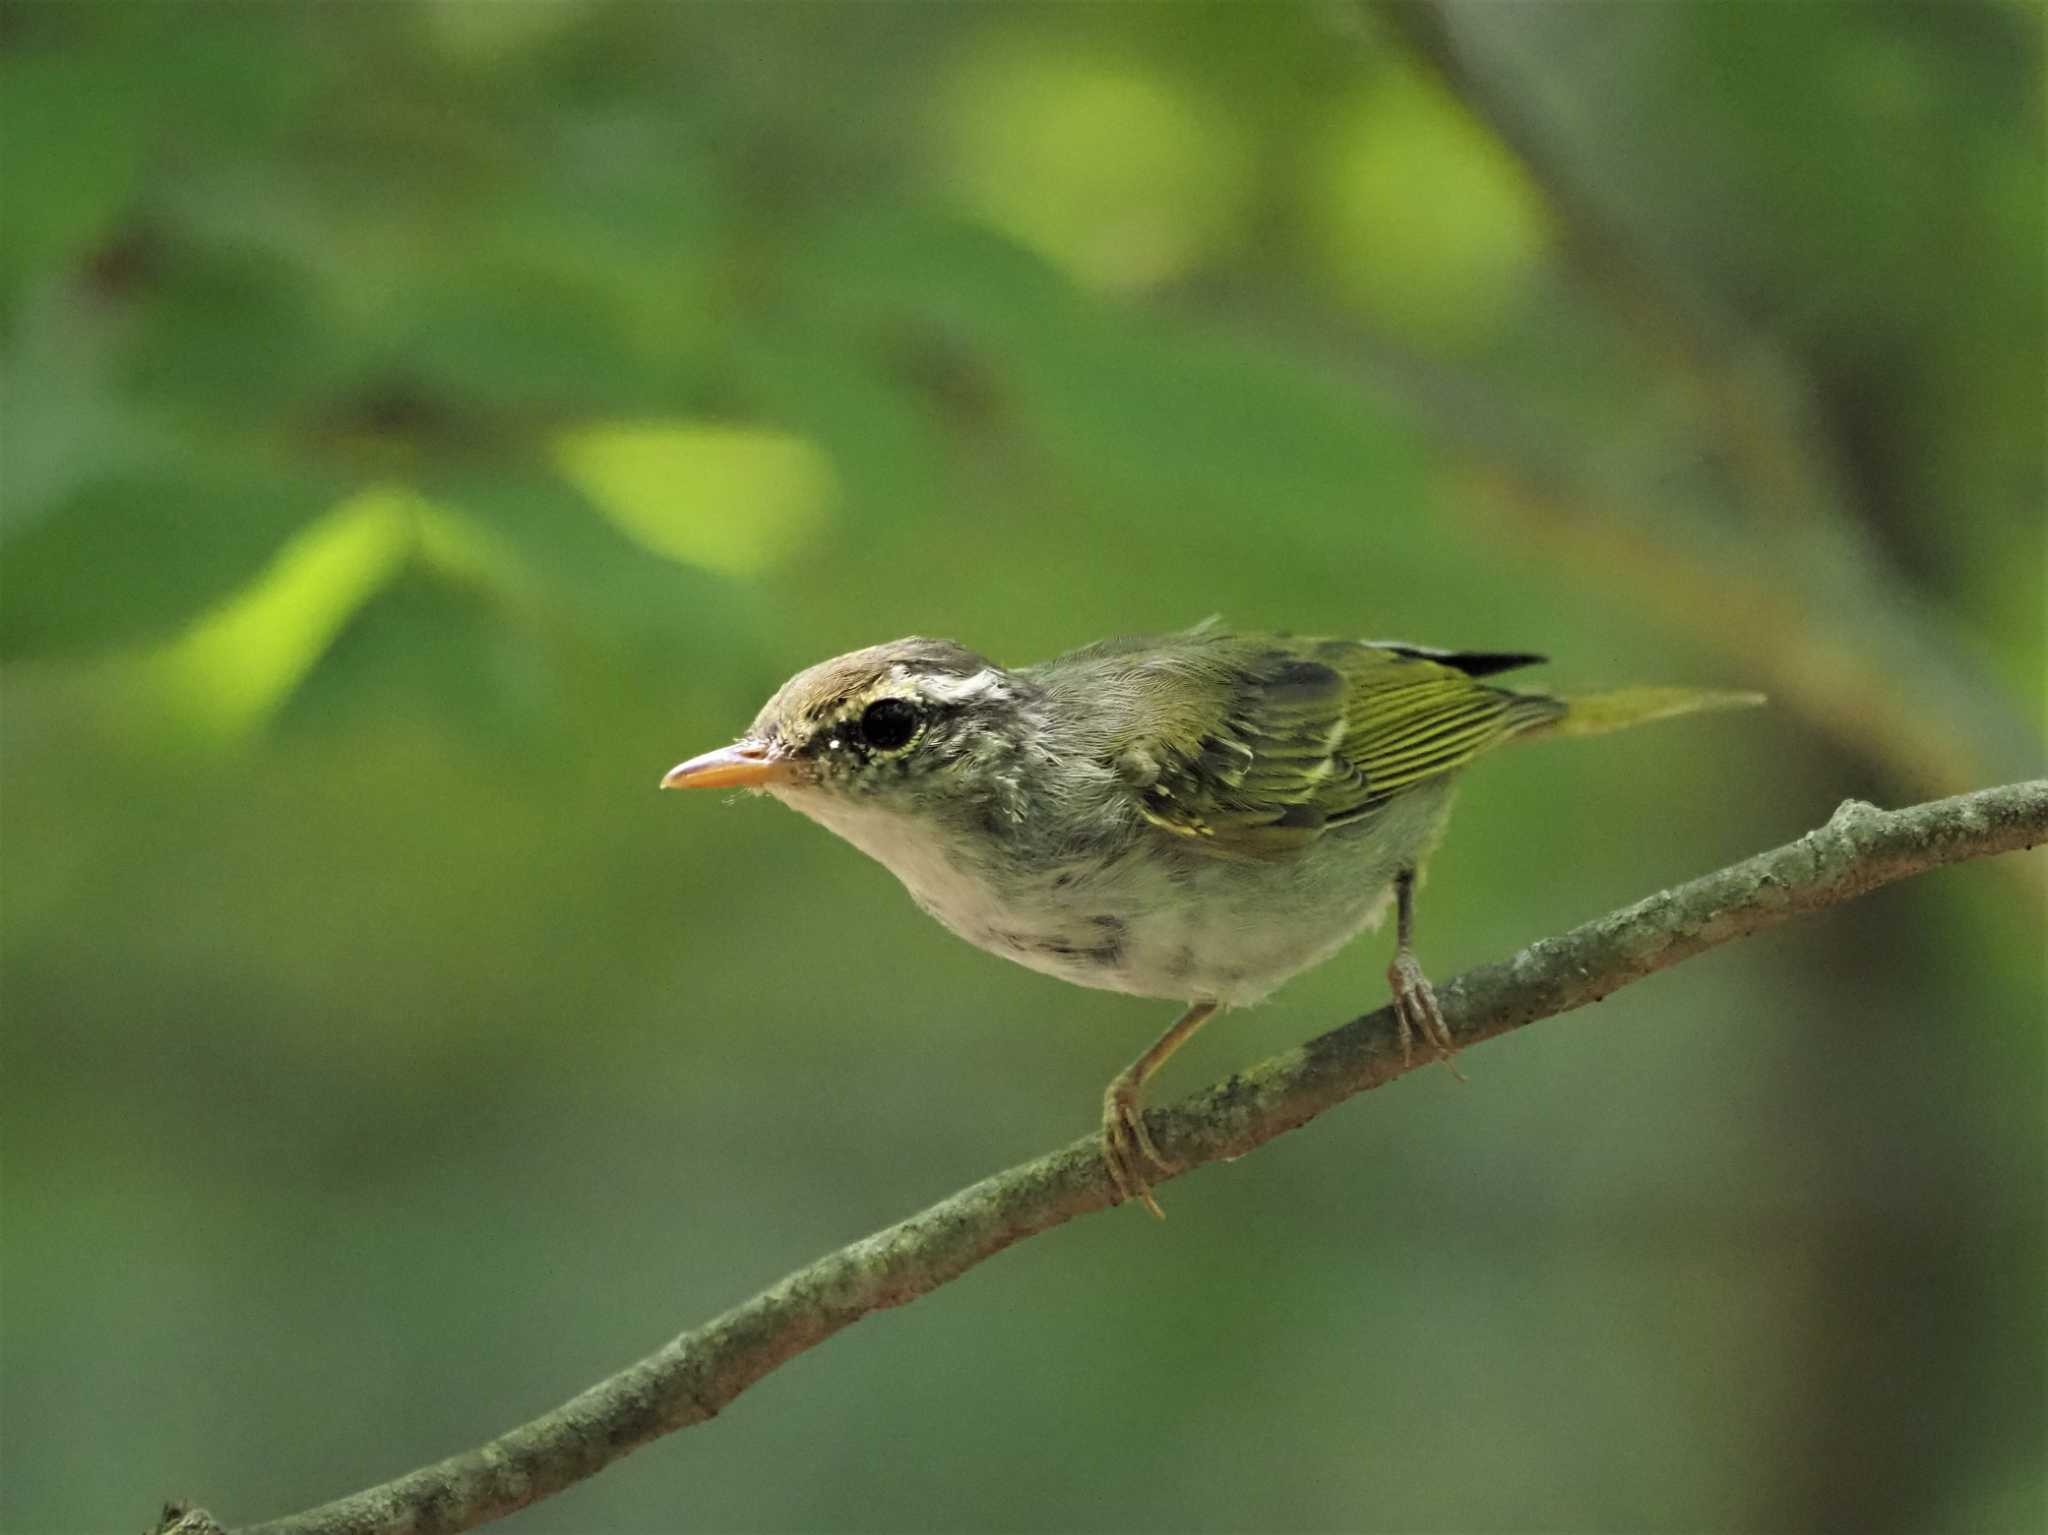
[{"x": 1473, "y": 663}]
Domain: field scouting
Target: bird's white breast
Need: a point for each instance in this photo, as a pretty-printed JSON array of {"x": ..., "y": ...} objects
[{"x": 915, "y": 851}]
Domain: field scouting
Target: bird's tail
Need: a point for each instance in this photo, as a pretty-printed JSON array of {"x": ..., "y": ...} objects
[{"x": 1594, "y": 714}]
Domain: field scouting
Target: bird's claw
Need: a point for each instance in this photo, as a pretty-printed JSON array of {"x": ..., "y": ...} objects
[
  {"x": 1127, "y": 1145},
  {"x": 1416, "y": 1011}
]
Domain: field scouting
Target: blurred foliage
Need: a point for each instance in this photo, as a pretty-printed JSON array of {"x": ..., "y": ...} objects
[{"x": 426, "y": 422}]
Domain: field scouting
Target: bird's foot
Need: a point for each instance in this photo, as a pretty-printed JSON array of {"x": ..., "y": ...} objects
[
  {"x": 1416, "y": 1010},
  {"x": 1127, "y": 1146}
]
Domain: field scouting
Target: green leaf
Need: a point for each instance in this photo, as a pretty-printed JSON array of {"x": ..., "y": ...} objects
[
  {"x": 73, "y": 156},
  {"x": 132, "y": 558},
  {"x": 848, "y": 394},
  {"x": 236, "y": 336},
  {"x": 432, "y": 652},
  {"x": 574, "y": 564},
  {"x": 1200, "y": 427}
]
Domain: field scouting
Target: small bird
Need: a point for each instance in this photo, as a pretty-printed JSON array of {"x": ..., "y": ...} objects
[{"x": 1195, "y": 816}]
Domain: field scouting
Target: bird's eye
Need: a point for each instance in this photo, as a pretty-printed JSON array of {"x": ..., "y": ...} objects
[{"x": 888, "y": 723}]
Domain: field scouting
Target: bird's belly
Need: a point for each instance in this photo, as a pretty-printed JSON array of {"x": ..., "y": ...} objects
[
  {"x": 1202, "y": 930},
  {"x": 1192, "y": 926},
  {"x": 1235, "y": 946},
  {"x": 966, "y": 898},
  {"x": 1153, "y": 922}
]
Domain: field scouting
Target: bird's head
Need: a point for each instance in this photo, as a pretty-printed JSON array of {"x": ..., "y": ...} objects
[{"x": 911, "y": 723}]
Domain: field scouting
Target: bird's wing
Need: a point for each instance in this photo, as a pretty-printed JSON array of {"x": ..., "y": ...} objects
[{"x": 1281, "y": 739}]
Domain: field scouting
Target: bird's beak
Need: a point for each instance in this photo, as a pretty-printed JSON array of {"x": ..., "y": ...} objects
[{"x": 743, "y": 765}]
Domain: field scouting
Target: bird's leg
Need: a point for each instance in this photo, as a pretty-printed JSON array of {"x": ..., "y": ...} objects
[
  {"x": 1126, "y": 1143},
  {"x": 1414, "y": 998}
]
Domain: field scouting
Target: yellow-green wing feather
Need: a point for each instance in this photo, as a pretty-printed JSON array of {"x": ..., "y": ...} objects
[
  {"x": 1410, "y": 717},
  {"x": 1252, "y": 746},
  {"x": 1303, "y": 734}
]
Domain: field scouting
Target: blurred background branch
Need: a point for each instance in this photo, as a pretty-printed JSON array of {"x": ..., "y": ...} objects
[{"x": 1783, "y": 573}]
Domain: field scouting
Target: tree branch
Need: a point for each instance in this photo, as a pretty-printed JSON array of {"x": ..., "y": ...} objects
[{"x": 691, "y": 1378}]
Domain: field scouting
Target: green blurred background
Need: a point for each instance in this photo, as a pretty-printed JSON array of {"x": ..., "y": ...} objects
[{"x": 426, "y": 422}]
